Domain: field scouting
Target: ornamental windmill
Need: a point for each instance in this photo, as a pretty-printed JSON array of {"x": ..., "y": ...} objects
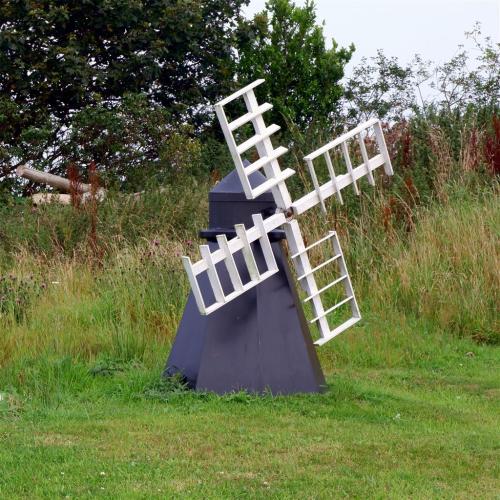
[{"x": 244, "y": 326}]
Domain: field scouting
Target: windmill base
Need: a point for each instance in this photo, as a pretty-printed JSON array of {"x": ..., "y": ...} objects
[{"x": 259, "y": 343}]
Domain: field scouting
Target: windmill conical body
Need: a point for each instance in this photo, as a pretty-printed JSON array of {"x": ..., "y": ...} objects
[{"x": 260, "y": 341}]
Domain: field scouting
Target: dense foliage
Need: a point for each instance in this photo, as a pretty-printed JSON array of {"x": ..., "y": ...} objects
[
  {"x": 285, "y": 44},
  {"x": 125, "y": 85},
  {"x": 68, "y": 67}
]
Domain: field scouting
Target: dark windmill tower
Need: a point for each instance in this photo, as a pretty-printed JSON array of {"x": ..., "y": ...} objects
[
  {"x": 260, "y": 341},
  {"x": 243, "y": 327}
]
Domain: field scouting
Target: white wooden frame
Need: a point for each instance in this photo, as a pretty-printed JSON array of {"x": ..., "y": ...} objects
[
  {"x": 339, "y": 182},
  {"x": 225, "y": 253},
  {"x": 307, "y": 280},
  {"x": 275, "y": 182},
  {"x": 268, "y": 156}
]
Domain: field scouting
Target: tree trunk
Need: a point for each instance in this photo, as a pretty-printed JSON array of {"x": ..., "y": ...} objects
[{"x": 50, "y": 179}]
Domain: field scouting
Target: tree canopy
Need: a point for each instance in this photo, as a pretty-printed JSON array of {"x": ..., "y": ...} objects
[
  {"x": 58, "y": 58},
  {"x": 285, "y": 45}
]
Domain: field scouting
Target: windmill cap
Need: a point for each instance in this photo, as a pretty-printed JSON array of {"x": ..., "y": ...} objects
[{"x": 230, "y": 189}]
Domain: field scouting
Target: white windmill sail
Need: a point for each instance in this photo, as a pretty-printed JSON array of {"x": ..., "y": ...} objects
[
  {"x": 306, "y": 277},
  {"x": 225, "y": 253},
  {"x": 337, "y": 183},
  {"x": 275, "y": 182},
  {"x": 268, "y": 156}
]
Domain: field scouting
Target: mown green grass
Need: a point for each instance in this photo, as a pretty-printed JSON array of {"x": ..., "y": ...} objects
[{"x": 379, "y": 433}]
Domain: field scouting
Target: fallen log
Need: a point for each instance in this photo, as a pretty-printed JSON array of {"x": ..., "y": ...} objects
[
  {"x": 60, "y": 183},
  {"x": 52, "y": 180}
]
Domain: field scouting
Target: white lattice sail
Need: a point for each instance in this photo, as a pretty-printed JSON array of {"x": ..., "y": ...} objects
[
  {"x": 306, "y": 277},
  {"x": 339, "y": 182},
  {"x": 268, "y": 156},
  {"x": 225, "y": 253}
]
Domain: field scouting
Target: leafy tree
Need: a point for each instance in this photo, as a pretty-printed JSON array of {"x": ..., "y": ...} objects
[
  {"x": 460, "y": 83},
  {"x": 58, "y": 58},
  {"x": 381, "y": 86},
  {"x": 285, "y": 45},
  {"x": 384, "y": 87},
  {"x": 136, "y": 138}
]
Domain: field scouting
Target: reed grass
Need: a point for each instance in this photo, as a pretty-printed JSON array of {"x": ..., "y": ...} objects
[{"x": 439, "y": 281}]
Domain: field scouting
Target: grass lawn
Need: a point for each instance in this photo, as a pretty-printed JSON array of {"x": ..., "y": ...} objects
[{"x": 425, "y": 431}]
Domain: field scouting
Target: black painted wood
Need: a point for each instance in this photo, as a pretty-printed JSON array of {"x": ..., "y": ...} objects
[{"x": 259, "y": 342}]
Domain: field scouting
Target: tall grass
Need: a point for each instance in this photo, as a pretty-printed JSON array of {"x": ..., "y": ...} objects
[
  {"x": 424, "y": 267},
  {"x": 445, "y": 272},
  {"x": 448, "y": 272}
]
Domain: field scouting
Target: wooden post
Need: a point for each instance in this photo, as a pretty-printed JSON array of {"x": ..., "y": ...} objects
[{"x": 52, "y": 180}]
